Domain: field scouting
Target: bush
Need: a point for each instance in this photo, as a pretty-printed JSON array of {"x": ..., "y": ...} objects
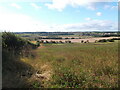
[
  {"x": 102, "y": 40},
  {"x": 38, "y": 43},
  {"x": 110, "y": 40},
  {"x": 68, "y": 42},
  {"x": 66, "y": 38},
  {"x": 115, "y": 38},
  {"x": 15, "y": 72},
  {"x": 82, "y": 41},
  {"x": 72, "y": 38},
  {"x": 106, "y": 40},
  {"x": 53, "y": 42},
  {"x": 14, "y": 44},
  {"x": 61, "y": 42},
  {"x": 47, "y": 41}
]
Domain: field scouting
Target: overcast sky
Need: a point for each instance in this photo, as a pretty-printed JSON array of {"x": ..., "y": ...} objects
[{"x": 58, "y": 15}]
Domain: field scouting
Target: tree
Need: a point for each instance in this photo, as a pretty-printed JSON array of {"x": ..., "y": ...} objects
[
  {"x": 60, "y": 42},
  {"x": 11, "y": 42},
  {"x": 38, "y": 43},
  {"x": 87, "y": 41},
  {"x": 47, "y": 41},
  {"x": 72, "y": 38},
  {"x": 15, "y": 44},
  {"x": 42, "y": 41},
  {"x": 82, "y": 41},
  {"x": 102, "y": 40},
  {"x": 69, "y": 41},
  {"x": 110, "y": 40},
  {"x": 95, "y": 41}
]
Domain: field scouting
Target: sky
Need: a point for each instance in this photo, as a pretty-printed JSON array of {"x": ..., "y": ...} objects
[{"x": 58, "y": 15}]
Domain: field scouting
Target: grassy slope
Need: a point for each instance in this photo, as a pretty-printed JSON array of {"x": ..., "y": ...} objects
[{"x": 79, "y": 65}]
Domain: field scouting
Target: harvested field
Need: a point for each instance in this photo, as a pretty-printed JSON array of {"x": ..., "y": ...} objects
[{"x": 79, "y": 40}]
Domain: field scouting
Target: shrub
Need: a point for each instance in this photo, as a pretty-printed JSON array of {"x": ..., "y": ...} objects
[
  {"x": 72, "y": 38},
  {"x": 14, "y": 44},
  {"x": 115, "y": 38},
  {"x": 106, "y": 40},
  {"x": 87, "y": 41},
  {"x": 67, "y": 41},
  {"x": 53, "y": 42},
  {"x": 47, "y": 41},
  {"x": 38, "y": 43},
  {"x": 60, "y": 42},
  {"x": 66, "y": 38},
  {"x": 82, "y": 41},
  {"x": 110, "y": 40},
  {"x": 102, "y": 40}
]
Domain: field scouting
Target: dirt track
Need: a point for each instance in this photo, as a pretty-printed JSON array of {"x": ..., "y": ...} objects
[{"x": 79, "y": 40}]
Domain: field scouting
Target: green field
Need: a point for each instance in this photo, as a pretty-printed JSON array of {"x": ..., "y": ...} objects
[{"x": 76, "y": 65}]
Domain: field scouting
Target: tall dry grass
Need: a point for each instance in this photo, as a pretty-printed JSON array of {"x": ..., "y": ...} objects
[{"x": 92, "y": 65}]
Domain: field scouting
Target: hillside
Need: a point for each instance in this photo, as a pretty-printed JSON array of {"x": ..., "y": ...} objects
[{"x": 59, "y": 65}]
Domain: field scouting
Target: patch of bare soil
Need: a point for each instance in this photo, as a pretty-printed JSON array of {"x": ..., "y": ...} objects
[
  {"x": 42, "y": 75},
  {"x": 41, "y": 46},
  {"x": 45, "y": 73}
]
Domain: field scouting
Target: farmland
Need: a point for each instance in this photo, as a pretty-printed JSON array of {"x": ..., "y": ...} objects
[
  {"x": 75, "y": 37},
  {"x": 60, "y": 65},
  {"x": 79, "y": 40},
  {"x": 71, "y": 44},
  {"x": 76, "y": 65}
]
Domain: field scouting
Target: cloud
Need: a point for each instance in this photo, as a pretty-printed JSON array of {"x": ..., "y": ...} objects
[
  {"x": 15, "y": 5},
  {"x": 58, "y": 4},
  {"x": 35, "y": 6},
  {"x": 114, "y": 7},
  {"x": 92, "y": 7},
  {"x": 88, "y": 19},
  {"x": 94, "y": 25},
  {"x": 61, "y": 4},
  {"x": 18, "y": 23},
  {"x": 51, "y": 0},
  {"x": 10, "y": 21},
  {"x": 111, "y": 7},
  {"x": 98, "y": 13},
  {"x": 23, "y": 23},
  {"x": 106, "y": 6}
]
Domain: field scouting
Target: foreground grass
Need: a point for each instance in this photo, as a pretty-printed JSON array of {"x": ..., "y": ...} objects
[{"x": 79, "y": 65}]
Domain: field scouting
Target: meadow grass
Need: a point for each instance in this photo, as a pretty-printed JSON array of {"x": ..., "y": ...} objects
[{"x": 79, "y": 65}]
